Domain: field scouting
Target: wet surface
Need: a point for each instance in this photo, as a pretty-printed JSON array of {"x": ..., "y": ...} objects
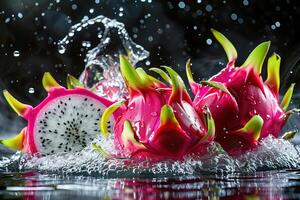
[{"x": 260, "y": 185}]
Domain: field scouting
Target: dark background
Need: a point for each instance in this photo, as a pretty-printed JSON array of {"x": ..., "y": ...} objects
[{"x": 171, "y": 30}]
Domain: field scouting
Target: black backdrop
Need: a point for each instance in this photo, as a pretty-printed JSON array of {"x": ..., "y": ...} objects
[{"x": 171, "y": 30}]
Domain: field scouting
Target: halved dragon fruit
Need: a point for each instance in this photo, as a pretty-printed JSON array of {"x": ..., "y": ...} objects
[
  {"x": 67, "y": 120},
  {"x": 159, "y": 122},
  {"x": 245, "y": 108}
]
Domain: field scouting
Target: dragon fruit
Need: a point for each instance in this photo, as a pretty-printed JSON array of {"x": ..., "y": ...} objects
[
  {"x": 159, "y": 121},
  {"x": 66, "y": 120},
  {"x": 244, "y": 107}
]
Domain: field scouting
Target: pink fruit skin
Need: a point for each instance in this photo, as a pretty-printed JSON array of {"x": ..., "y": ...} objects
[
  {"x": 162, "y": 141},
  {"x": 252, "y": 96},
  {"x": 31, "y": 115},
  {"x": 164, "y": 123}
]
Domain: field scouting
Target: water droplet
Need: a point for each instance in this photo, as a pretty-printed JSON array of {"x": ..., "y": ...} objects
[
  {"x": 208, "y": 8},
  {"x": 277, "y": 24},
  {"x": 16, "y": 53},
  {"x": 241, "y": 20},
  {"x": 86, "y": 44},
  {"x": 7, "y": 20},
  {"x": 233, "y": 16},
  {"x": 246, "y": 2},
  {"x": 91, "y": 10},
  {"x": 74, "y": 6},
  {"x": 20, "y": 15},
  {"x": 209, "y": 41},
  {"x": 153, "y": 114},
  {"x": 268, "y": 117},
  {"x": 181, "y": 5},
  {"x": 61, "y": 49},
  {"x": 31, "y": 90},
  {"x": 273, "y": 27}
]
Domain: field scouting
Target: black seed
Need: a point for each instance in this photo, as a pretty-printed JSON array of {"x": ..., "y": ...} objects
[{"x": 85, "y": 99}]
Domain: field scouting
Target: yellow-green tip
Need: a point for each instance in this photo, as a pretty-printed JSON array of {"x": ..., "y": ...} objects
[
  {"x": 15, "y": 143},
  {"x": 287, "y": 97},
  {"x": 226, "y": 44},
  {"x": 167, "y": 116},
  {"x": 256, "y": 58},
  {"x": 128, "y": 135},
  {"x": 73, "y": 82},
  {"x": 210, "y": 124},
  {"x": 253, "y": 127},
  {"x": 289, "y": 135},
  {"x": 216, "y": 85},
  {"x": 163, "y": 74},
  {"x": 17, "y": 106},
  {"x": 189, "y": 71},
  {"x": 49, "y": 82},
  {"x": 177, "y": 85},
  {"x": 129, "y": 74},
  {"x": 106, "y": 115},
  {"x": 99, "y": 149},
  {"x": 273, "y": 79}
]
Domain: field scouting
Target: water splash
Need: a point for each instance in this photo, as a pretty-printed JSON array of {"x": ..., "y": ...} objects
[
  {"x": 271, "y": 154},
  {"x": 102, "y": 72}
]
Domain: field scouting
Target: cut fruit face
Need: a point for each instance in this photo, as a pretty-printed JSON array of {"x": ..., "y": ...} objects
[{"x": 68, "y": 123}]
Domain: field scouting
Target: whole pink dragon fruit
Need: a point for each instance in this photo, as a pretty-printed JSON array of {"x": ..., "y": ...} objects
[
  {"x": 159, "y": 122},
  {"x": 244, "y": 107},
  {"x": 66, "y": 120}
]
